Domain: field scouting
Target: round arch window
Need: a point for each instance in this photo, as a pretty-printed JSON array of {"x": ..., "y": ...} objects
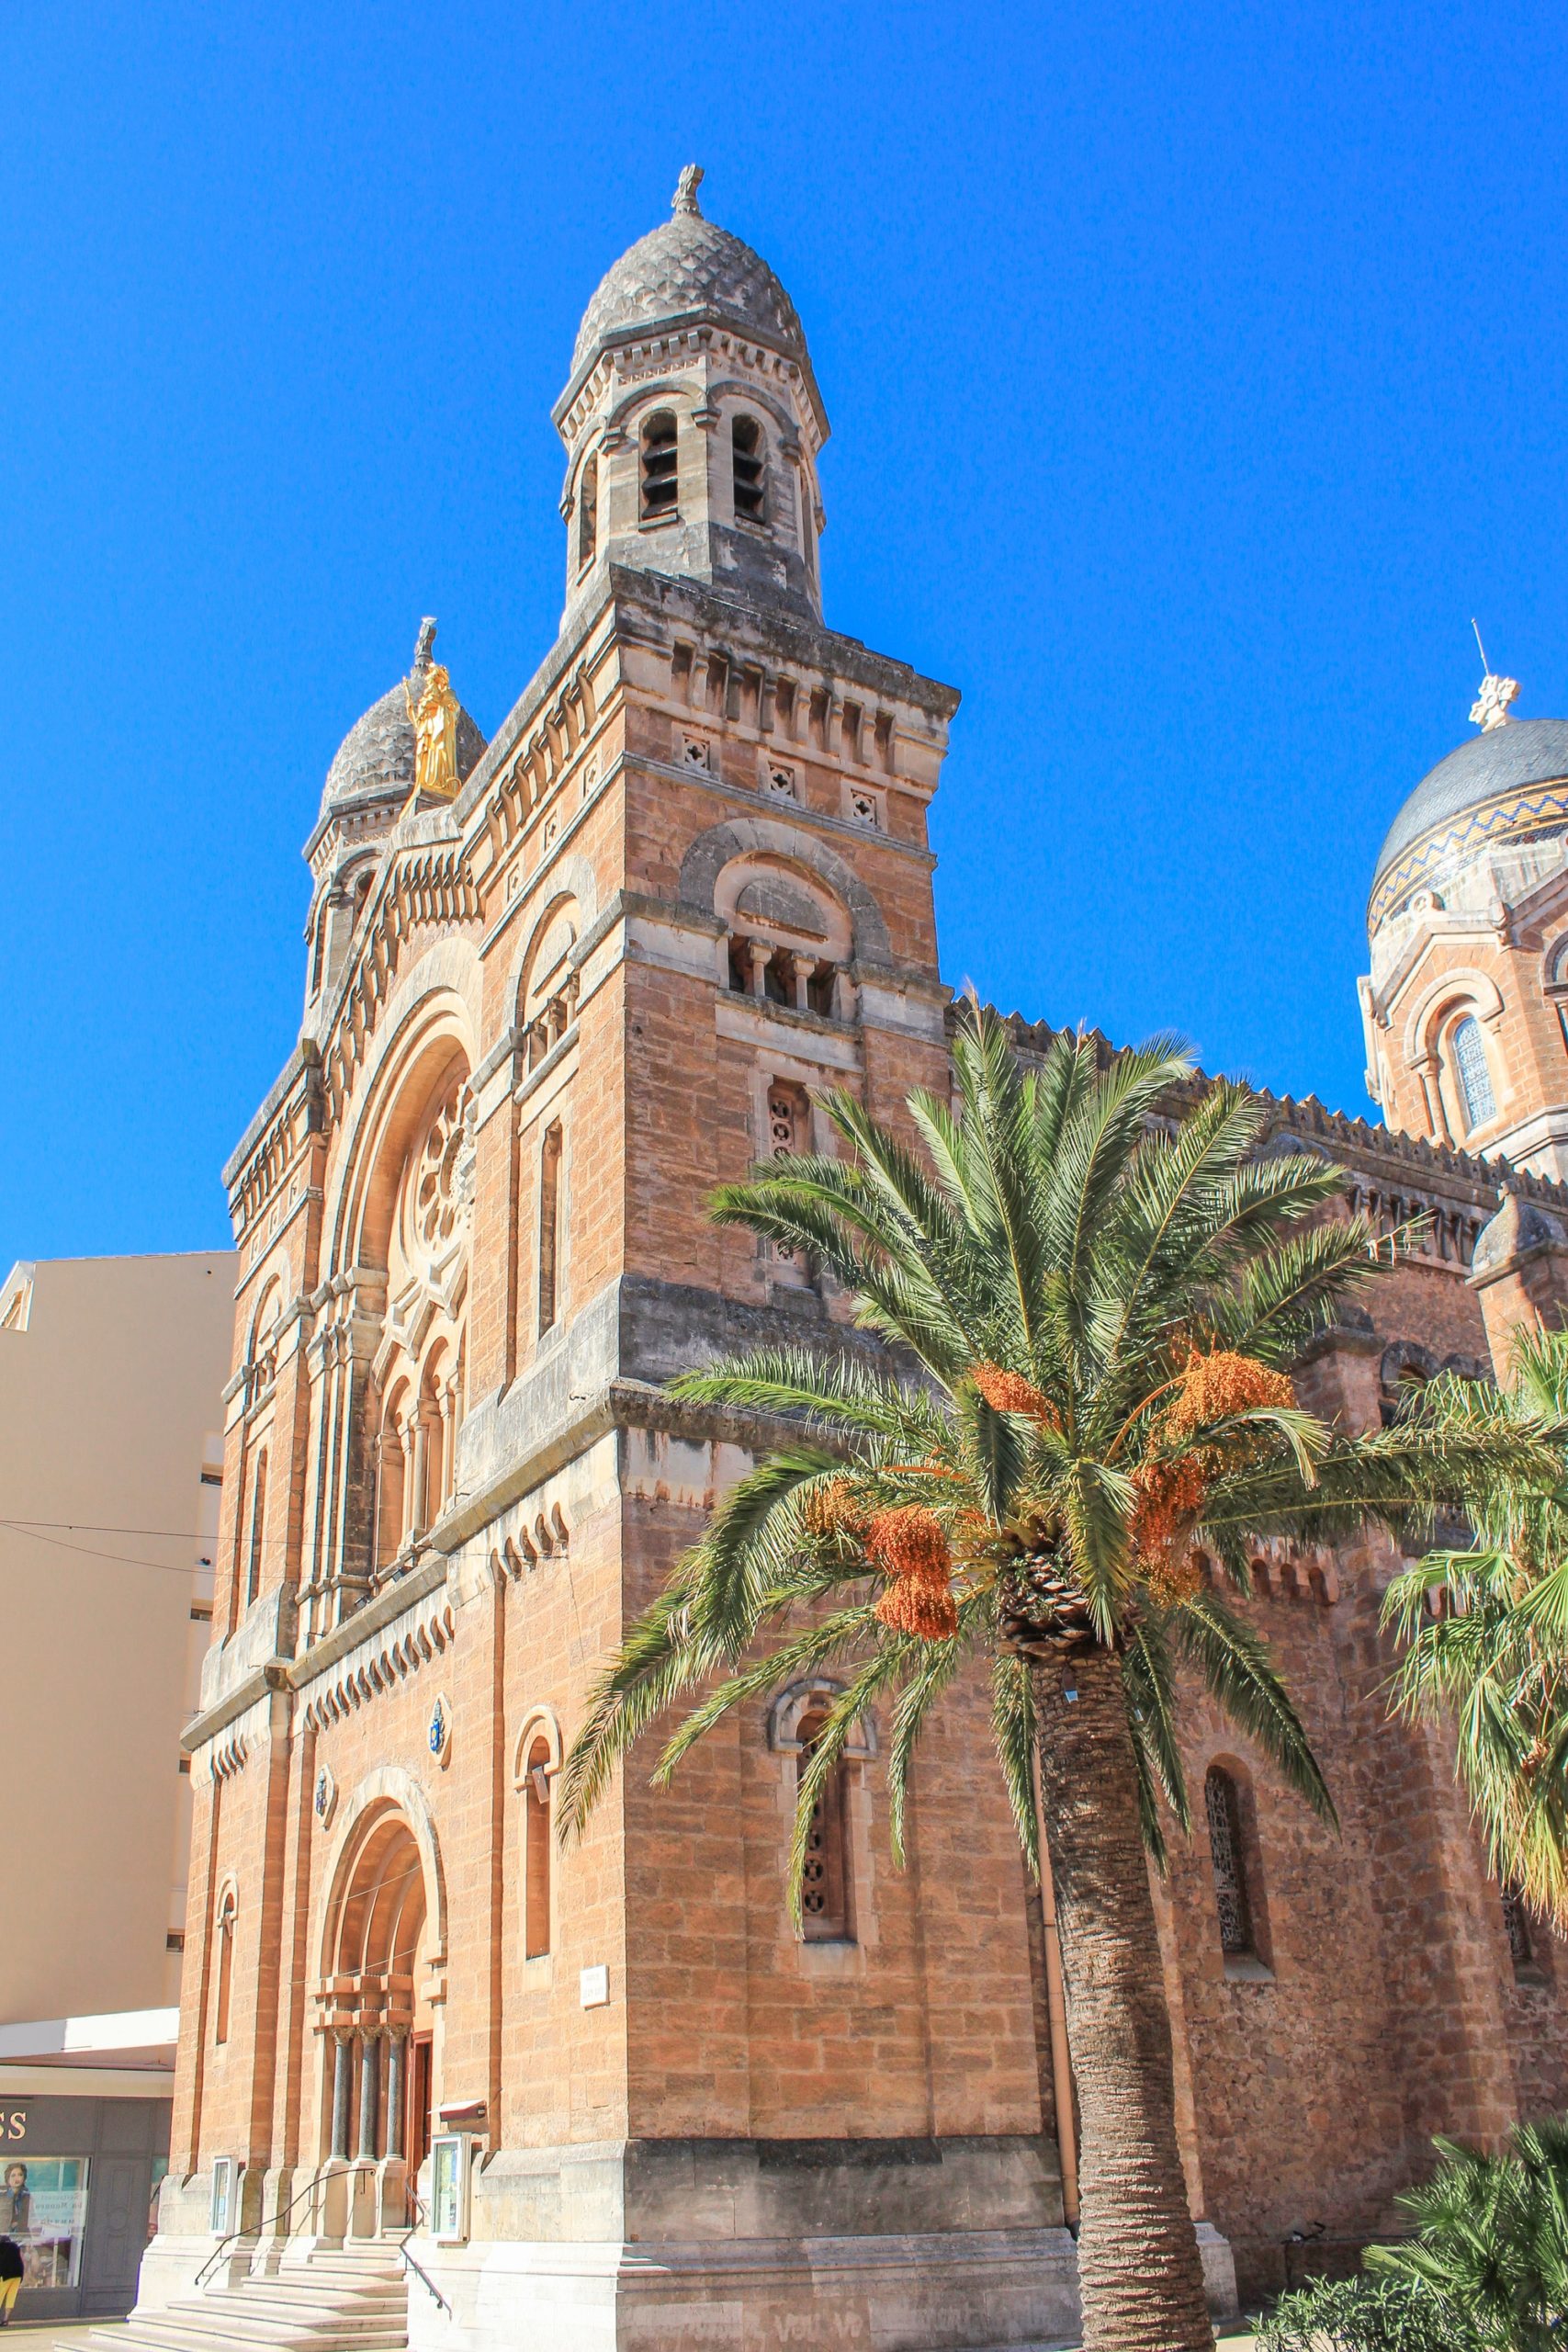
[{"x": 1473, "y": 1073}]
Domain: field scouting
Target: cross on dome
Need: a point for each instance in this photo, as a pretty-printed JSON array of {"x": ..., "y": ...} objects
[{"x": 1490, "y": 708}]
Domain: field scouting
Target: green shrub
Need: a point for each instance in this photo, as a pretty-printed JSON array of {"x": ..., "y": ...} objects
[{"x": 1386, "y": 2314}]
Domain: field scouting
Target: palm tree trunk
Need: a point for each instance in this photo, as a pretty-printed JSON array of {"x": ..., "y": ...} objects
[{"x": 1139, "y": 2271}]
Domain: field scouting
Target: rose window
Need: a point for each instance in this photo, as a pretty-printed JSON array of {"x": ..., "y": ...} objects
[{"x": 437, "y": 1200}]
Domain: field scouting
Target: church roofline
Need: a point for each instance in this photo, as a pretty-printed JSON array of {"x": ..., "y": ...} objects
[
  {"x": 794, "y": 638},
  {"x": 1420, "y": 1161}
]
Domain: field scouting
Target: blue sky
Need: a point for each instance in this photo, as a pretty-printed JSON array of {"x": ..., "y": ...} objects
[{"x": 1195, "y": 378}]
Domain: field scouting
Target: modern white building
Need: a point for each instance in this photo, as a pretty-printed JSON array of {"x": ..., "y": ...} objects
[{"x": 112, "y": 1376}]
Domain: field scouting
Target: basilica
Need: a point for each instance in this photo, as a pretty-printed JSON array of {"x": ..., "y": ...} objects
[{"x": 442, "y": 2079}]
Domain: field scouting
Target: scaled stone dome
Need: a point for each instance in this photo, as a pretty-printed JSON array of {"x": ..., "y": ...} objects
[
  {"x": 689, "y": 267},
  {"x": 376, "y": 758},
  {"x": 1482, "y": 792}
]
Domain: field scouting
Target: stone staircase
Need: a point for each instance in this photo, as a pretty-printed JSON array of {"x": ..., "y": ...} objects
[{"x": 352, "y": 2301}]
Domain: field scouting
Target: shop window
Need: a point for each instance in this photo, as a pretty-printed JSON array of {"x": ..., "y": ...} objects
[
  {"x": 745, "y": 458},
  {"x": 43, "y": 2210},
  {"x": 536, "y": 1851},
  {"x": 660, "y": 488},
  {"x": 825, "y": 1891}
]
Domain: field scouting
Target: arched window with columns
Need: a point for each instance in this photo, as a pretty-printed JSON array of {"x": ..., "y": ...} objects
[{"x": 796, "y": 1721}]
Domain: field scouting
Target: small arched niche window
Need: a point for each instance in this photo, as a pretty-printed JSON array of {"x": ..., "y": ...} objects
[
  {"x": 1227, "y": 1856},
  {"x": 1473, "y": 1073},
  {"x": 588, "y": 514},
  {"x": 258, "y": 1528},
  {"x": 549, "y": 1228},
  {"x": 660, "y": 488},
  {"x": 1521, "y": 1933},
  {"x": 225, "y": 1993},
  {"x": 825, "y": 1885},
  {"x": 746, "y": 457},
  {"x": 536, "y": 1850}
]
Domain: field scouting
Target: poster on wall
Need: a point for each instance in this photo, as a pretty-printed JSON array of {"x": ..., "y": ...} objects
[
  {"x": 44, "y": 2206},
  {"x": 448, "y": 2188}
]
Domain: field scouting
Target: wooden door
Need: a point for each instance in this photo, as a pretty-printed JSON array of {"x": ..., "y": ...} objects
[{"x": 416, "y": 2123}]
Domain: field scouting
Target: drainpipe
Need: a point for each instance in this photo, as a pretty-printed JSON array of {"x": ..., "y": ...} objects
[{"x": 1061, "y": 2063}]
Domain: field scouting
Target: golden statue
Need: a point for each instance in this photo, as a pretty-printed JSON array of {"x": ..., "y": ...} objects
[{"x": 435, "y": 721}]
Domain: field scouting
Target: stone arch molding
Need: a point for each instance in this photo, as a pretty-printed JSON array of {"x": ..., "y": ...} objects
[
  {"x": 433, "y": 1004},
  {"x": 570, "y": 877},
  {"x": 539, "y": 1723},
  {"x": 788, "y": 1711},
  {"x": 753, "y": 836},
  {"x": 1476, "y": 990},
  {"x": 387, "y": 1790}
]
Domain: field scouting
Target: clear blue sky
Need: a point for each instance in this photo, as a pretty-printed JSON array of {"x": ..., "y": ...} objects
[{"x": 1195, "y": 378}]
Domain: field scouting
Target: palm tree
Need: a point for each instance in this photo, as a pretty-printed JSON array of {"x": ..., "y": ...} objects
[
  {"x": 1089, "y": 1283},
  {"x": 1485, "y": 1634},
  {"x": 1491, "y": 2239}
]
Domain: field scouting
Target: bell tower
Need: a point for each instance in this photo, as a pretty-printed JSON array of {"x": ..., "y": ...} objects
[
  {"x": 692, "y": 422},
  {"x": 595, "y": 969}
]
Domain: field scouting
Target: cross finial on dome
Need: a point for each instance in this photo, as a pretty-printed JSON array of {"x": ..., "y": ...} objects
[
  {"x": 686, "y": 188},
  {"x": 1490, "y": 708}
]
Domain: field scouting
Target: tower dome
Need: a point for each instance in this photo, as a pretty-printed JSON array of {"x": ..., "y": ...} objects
[
  {"x": 376, "y": 759},
  {"x": 687, "y": 269},
  {"x": 692, "y": 422}
]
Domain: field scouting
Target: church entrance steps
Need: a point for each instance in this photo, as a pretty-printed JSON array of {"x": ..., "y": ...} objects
[{"x": 331, "y": 2302}]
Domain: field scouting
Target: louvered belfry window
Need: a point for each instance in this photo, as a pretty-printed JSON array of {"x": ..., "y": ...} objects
[
  {"x": 746, "y": 449},
  {"x": 660, "y": 487},
  {"x": 1222, "y": 1807}
]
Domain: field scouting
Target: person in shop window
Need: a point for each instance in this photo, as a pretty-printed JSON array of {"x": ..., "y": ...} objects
[
  {"x": 16, "y": 2203},
  {"x": 10, "y": 2278}
]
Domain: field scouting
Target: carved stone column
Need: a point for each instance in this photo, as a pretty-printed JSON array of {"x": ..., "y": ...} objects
[
  {"x": 342, "y": 2093},
  {"x": 396, "y": 2054},
  {"x": 369, "y": 2097}
]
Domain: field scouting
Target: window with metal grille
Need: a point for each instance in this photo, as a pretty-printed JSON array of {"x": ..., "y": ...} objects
[
  {"x": 824, "y": 1900},
  {"x": 659, "y": 486},
  {"x": 746, "y": 451},
  {"x": 1515, "y": 1920},
  {"x": 1473, "y": 1073},
  {"x": 1222, "y": 1806}
]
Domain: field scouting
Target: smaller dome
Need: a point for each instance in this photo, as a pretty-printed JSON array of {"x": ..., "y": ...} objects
[
  {"x": 689, "y": 267},
  {"x": 1509, "y": 758},
  {"x": 376, "y": 759}
]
